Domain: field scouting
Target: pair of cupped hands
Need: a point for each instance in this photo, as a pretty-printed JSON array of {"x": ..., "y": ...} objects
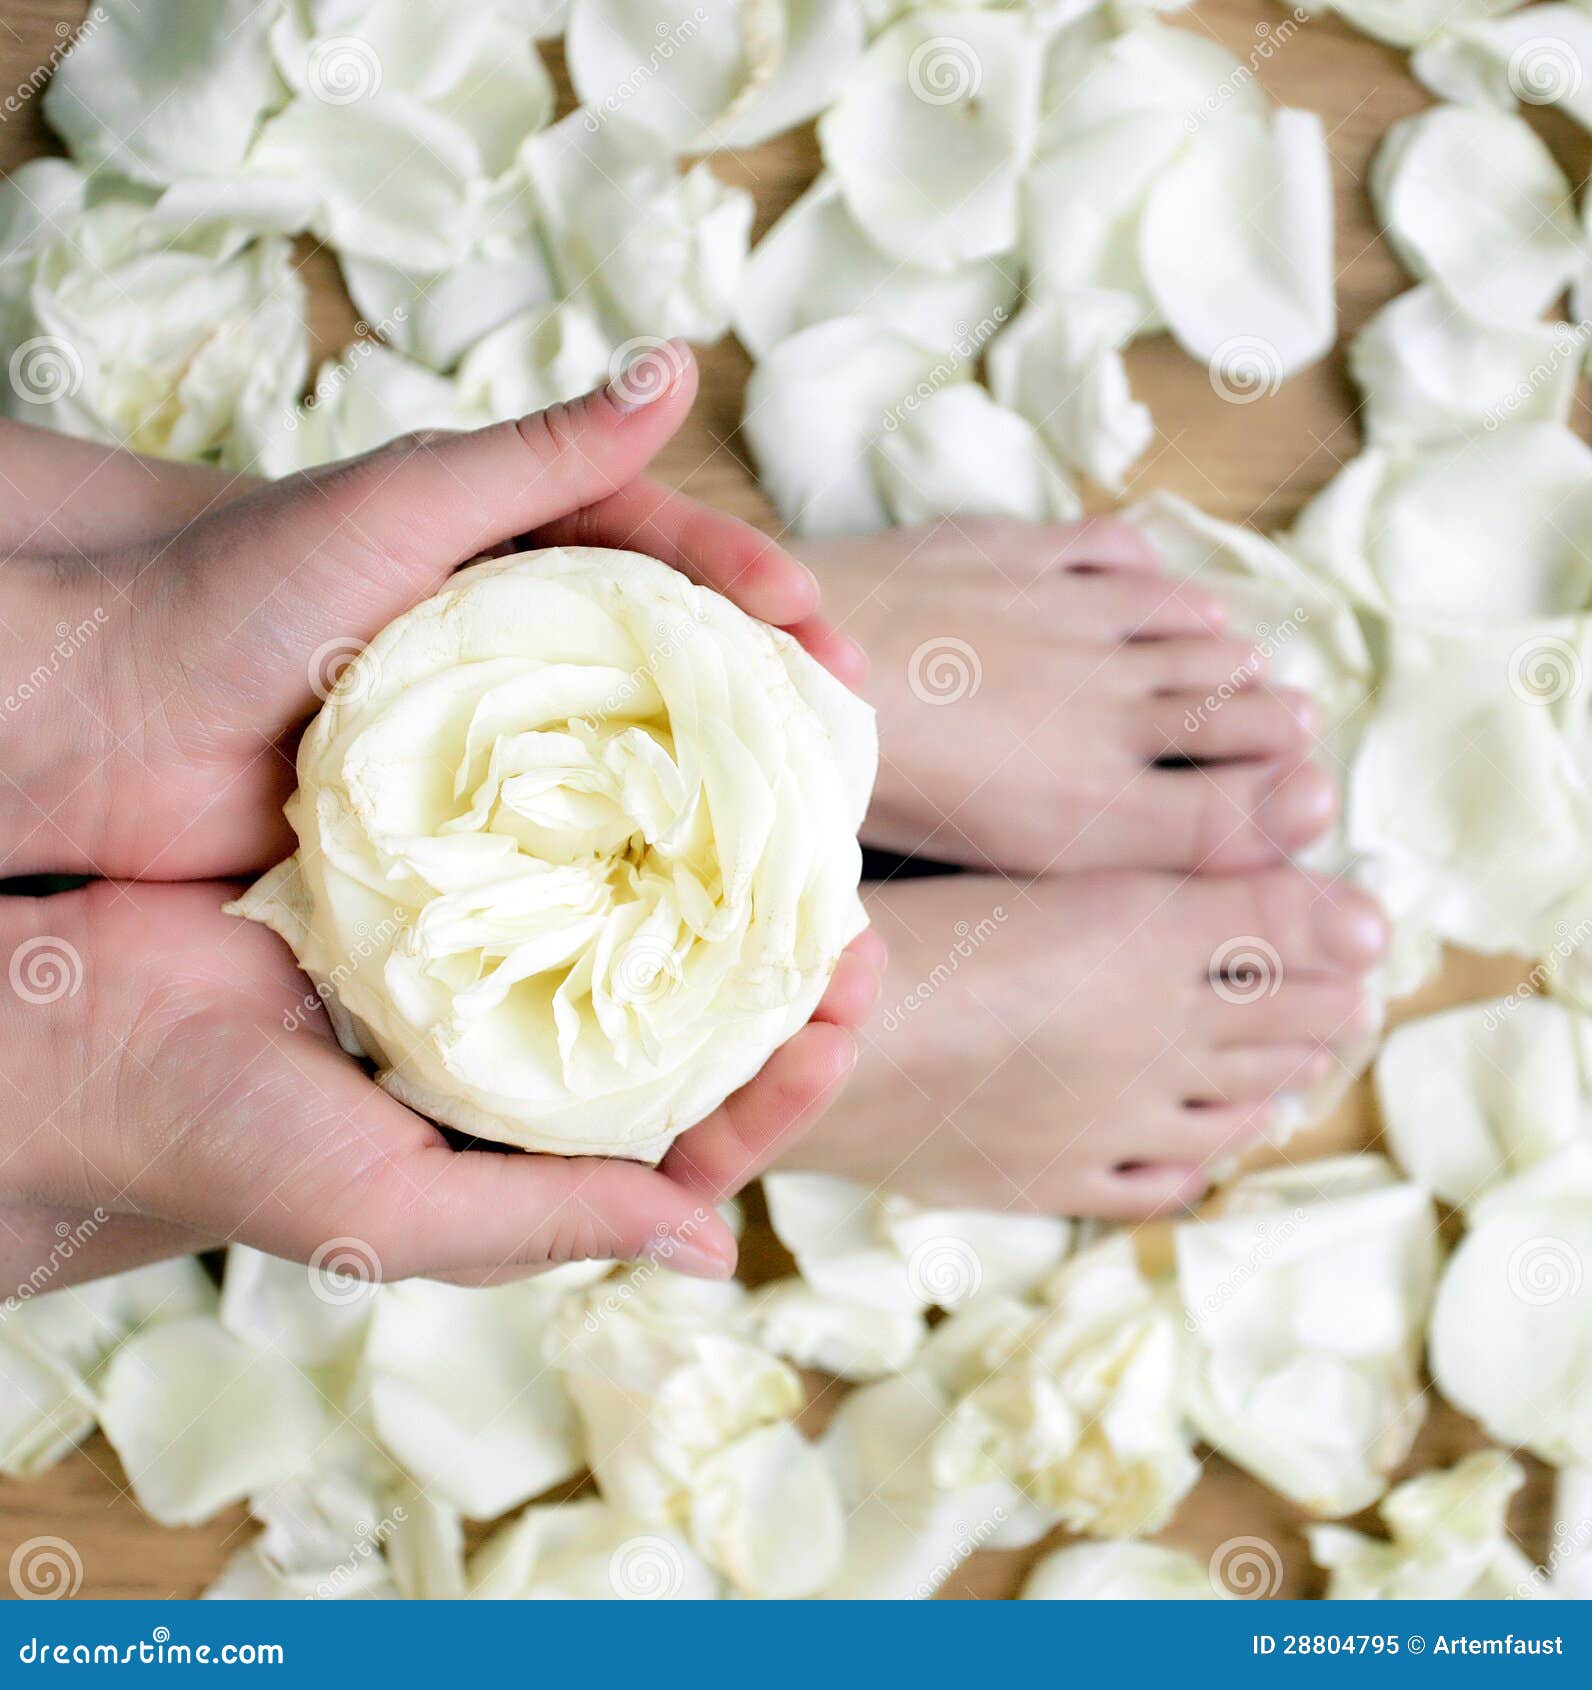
[{"x": 167, "y": 1081}]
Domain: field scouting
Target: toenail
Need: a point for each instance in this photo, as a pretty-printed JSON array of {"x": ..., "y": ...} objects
[
  {"x": 1298, "y": 807},
  {"x": 1355, "y": 932}
]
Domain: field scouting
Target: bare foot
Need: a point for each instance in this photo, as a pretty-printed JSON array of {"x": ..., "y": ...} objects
[
  {"x": 1088, "y": 1044},
  {"x": 1033, "y": 683}
]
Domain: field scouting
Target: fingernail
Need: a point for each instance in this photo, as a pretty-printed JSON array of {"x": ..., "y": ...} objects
[
  {"x": 1298, "y": 807},
  {"x": 690, "y": 1256},
  {"x": 648, "y": 375}
]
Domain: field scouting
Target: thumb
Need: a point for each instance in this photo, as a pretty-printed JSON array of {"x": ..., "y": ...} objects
[{"x": 336, "y": 553}]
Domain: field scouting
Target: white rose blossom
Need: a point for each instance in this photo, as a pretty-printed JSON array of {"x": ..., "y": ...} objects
[{"x": 577, "y": 851}]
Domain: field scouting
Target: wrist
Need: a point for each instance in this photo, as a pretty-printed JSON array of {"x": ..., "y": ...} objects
[{"x": 57, "y": 628}]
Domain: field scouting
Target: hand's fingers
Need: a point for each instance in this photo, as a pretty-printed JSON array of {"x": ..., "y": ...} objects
[
  {"x": 47, "y": 1249},
  {"x": 355, "y": 544},
  {"x": 853, "y": 989},
  {"x": 64, "y": 497},
  {"x": 745, "y": 1133},
  {"x": 839, "y": 653},
  {"x": 715, "y": 550}
]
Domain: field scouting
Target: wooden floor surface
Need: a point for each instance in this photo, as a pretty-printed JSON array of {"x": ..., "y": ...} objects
[{"x": 1256, "y": 462}]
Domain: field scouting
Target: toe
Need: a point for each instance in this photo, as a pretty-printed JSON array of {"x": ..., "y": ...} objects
[
  {"x": 1254, "y": 1076},
  {"x": 1231, "y": 816},
  {"x": 1259, "y": 1010},
  {"x": 1311, "y": 924},
  {"x": 1102, "y": 542},
  {"x": 1260, "y": 722},
  {"x": 1214, "y": 668},
  {"x": 1141, "y": 1191},
  {"x": 1197, "y": 1134},
  {"x": 1120, "y": 605}
]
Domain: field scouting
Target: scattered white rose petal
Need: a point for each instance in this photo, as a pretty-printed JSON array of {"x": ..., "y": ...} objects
[
  {"x": 588, "y": 1551},
  {"x": 1541, "y": 56},
  {"x": 1122, "y": 1572},
  {"x": 1407, "y": 23},
  {"x": 310, "y": 1316},
  {"x": 836, "y": 1335}
]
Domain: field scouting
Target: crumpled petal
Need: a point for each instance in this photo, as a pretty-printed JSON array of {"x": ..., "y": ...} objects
[
  {"x": 588, "y": 1551},
  {"x": 201, "y": 1419},
  {"x": 1511, "y": 1333},
  {"x": 1476, "y": 1094},
  {"x": 1449, "y": 1540},
  {"x": 1236, "y": 247},
  {"x": 817, "y": 263},
  {"x": 1542, "y": 56},
  {"x": 959, "y": 453},
  {"x": 311, "y": 1316},
  {"x": 872, "y": 1247},
  {"x": 164, "y": 89},
  {"x": 462, "y": 1396},
  {"x": 1305, "y": 1305},
  {"x": 1123, "y": 1572},
  {"x": 711, "y": 73},
  {"x": 932, "y": 130},
  {"x": 1060, "y": 366},
  {"x": 1429, "y": 370},
  {"x": 1472, "y": 198},
  {"x": 833, "y": 1334},
  {"x": 1407, "y": 23}
]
